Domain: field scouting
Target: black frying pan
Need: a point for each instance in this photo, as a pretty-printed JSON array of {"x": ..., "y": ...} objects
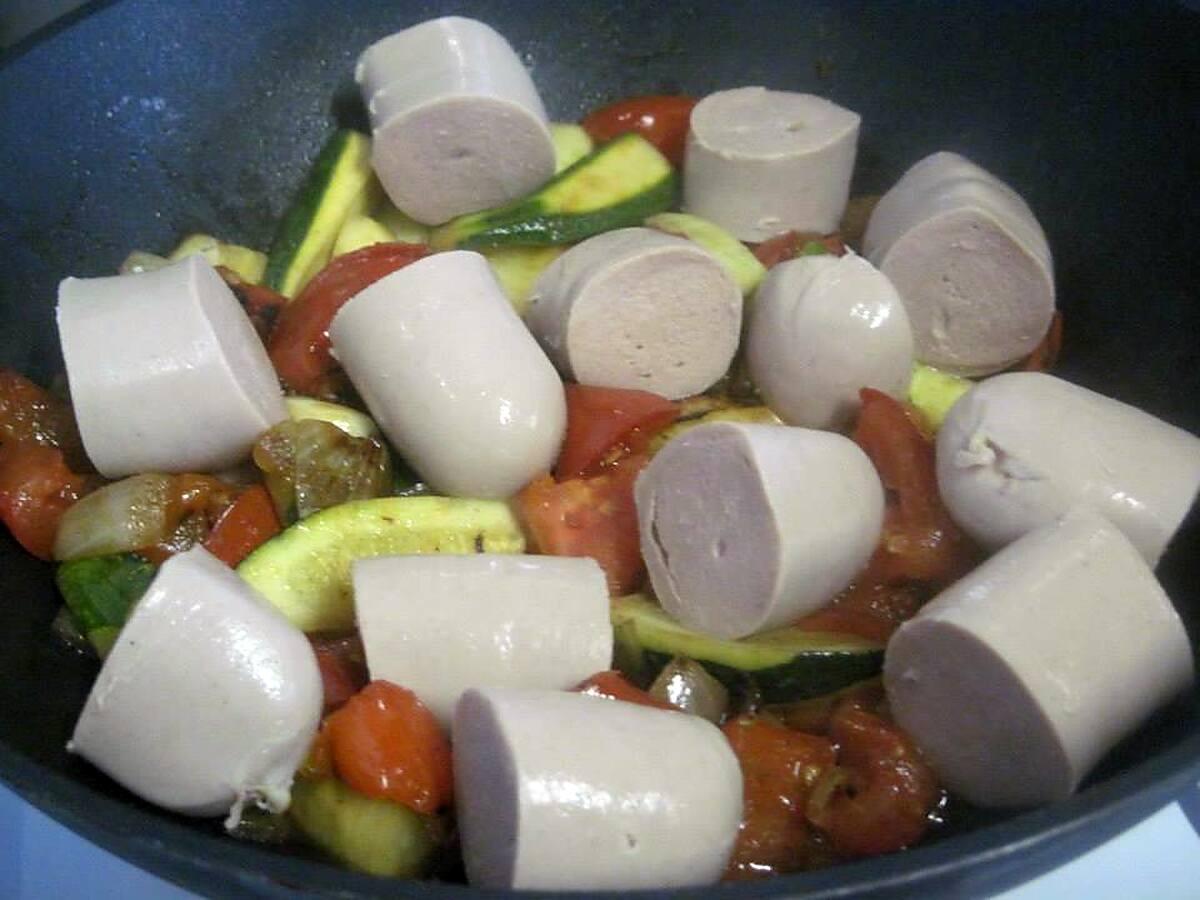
[{"x": 138, "y": 121}]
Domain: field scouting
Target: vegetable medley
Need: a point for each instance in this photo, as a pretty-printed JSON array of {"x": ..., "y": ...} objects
[{"x": 608, "y": 465}]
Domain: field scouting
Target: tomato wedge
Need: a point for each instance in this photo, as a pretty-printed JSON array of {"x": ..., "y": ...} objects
[
  {"x": 789, "y": 245},
  {"x": 343, "y": 666},
  {"x": 248, "y": 522},
  {"x": 779, "y": 769},
  {"x": 299, "y": 344},
  {"x": 592, "y": 517},
  {"x": 612, "y": 685},
  {"x": 385, "y": 743},
  {"x": 36, "y": 488},
  {"x": 663, "y": 120},
  {"x": 920, "y": 541},
  {"x": 606, "y": 422},
  {"x": 29, "y": 412}
]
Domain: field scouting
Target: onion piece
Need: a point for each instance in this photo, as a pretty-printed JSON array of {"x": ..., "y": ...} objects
[
  {"x": 688, "y": 686},
  {"x": 120, "y": 517},
  {"x": 140, "y": 261}
]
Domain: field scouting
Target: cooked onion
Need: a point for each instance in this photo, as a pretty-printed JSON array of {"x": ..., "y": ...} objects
[
  {"x": 118, "y": 518},
  {"x": 685, "y": 684}
]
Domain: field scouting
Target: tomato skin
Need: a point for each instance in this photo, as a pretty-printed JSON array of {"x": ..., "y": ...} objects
[
  {"x": 879, "y": 796},
  {"x": 262, "y": 305},
  {"x": 779, "y": 768},
  {"x": 603, "y": 422},
  {"x": 248, "y": 522},
  {"x": 386, "y": 744},
  {"x": 612, "y": 685},
  {"x": 299, "y": 344},
  {"x": 29, "y": 412},
  {"x": 36, "y": 488},
  {"x": 343, "y": 666},
  {"x": 788, "y": 245},
  {"x": 661, "y": 119},
  {"x": 593, "y": 517},
  {"x": 920, "y": 541}
]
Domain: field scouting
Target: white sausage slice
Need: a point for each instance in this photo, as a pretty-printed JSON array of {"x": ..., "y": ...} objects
[
  {"x": 1017, "y": 679},
  {"x": 167, "y": 374},
  {"x": 209, "y": 698},
  {"x": 560, "y": 791},
  {"x": 636, "y": 308},
  {"x": 458, "y": 124},
  {"x": 452, "y": 376},
  {"x": 762, "y": 162},
  {"x": 1022, "y": 448},
  {"x": 822, "y": 327},
  {"x": 747, "y": 527},
  {"x": 970, "y": 260},
  {"x": 441, "y": 624}
]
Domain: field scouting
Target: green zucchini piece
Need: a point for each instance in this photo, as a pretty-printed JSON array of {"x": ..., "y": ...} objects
[
  {"x": 360, "y": 231},
  {"x": 784, "y": 665},
  {"x": 933, "y": 392},
  {"x": 341, "y": 184},
  {"x": 100, "y": 591},
  {"x": 374, "y": 836},
  {"x": 517, "y": 268},
  {"x": 351, "y": 421},
  {"x": 247, "y": 264},
  {"x": 305, "y": 570},
  {"x": 571, "y": 144},
  {"x": 742, "y": 265},
  {"x": 619, "y": 184},
  {"x": 403, "y": 229}
]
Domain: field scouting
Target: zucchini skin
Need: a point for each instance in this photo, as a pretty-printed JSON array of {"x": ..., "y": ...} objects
[
  {"x": 100, "y": 592},
  {"x": 305, "y": 570},
  {"x": 551, "y": 215}
]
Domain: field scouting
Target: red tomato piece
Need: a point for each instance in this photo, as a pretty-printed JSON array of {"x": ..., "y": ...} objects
[
  {"x": 386, "y": 744},
  {"x": 867, "y": 608},
  {"x": 1045, "y": 354},
  {"x": 343, "y": 665},
  {"x": 788, "y": 245},
  {"x": 29, "y": 412},
  {"x": 920, "y": 541},
  {"x": 593, "y": 517},
  {"x": 248, "y": 522},
  {"x": 603, "y": 422},
  {"x": 262, "y": 305},
  {"x": 36, "y": 488},
  {"x": 612, "y": 685},
  {"x": 663, "y": 120},
  {"x": 779, "y": 768},
  {"x": 299, "y": 345},
  {"x": 879, "y": 796}
]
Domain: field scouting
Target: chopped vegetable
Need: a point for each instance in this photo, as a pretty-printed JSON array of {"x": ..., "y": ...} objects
[
  {"x": 310, "y": 465},
  {"x": 933, "y": 392},
  {"x": 299, "y": 345},
  {"x": 354, "y": 423},
  {"x": 378, "y": 837},
  {"x": 571, "y": 144},
  {"x": 387, "y": 745},
  {"x": 593, "y": 517},
  {"x": 100, "y": 592},
  {"x": 742, "y": 265},
  {"x": 613, "y": 685},
  {"x": 779, "y": 769},
  {"x": 517, "y": 268},
  {"x": 343, "y": 665},
  {"x": 662, "y": 120},
  {"x": 31, "y": 413},
  {"x": 880, "y": 795},
  {"x": 248, "y": 522},
  {"x": 789, "y": 245},
  {"x": 360, "y": 231},
  {"x": 247, "y": 264},
  {"x": 686, "y": 685},
  {"x": 36, "y": 491},
  {"x": 619, "y": 184},
  {"x": 605, "y": 424}
]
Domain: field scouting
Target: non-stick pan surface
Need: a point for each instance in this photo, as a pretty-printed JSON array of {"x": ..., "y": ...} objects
[{"x": 138, "y": 121}]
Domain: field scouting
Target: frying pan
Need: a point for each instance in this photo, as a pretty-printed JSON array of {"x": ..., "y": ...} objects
[{"x": 135, "y": 122}]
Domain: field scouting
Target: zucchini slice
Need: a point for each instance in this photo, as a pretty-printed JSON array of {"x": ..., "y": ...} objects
[
  {"x": 571, "y": 144},
  {"x": 101, "y": 591},
  {"x": 374, "y": 836},
  {"x": 247, "y": 264},
  {"x": 620, "y": 184},
  {"x": 784, "y": 665},
  {"x": 341, "y": 184},
  {"x": 305, "y": 570},
  {"x": 517, "y": 268},
  {"x": 742, "y": 265},
  {"x": 933, "y": 392}
]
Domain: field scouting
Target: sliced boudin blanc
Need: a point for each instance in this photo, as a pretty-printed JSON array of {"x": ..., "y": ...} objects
[
  {"x": 458, "y": 124},
  {"x": 762, "y": 162},
  {"x": 1018, "y": 678},
  {"x": 209, "y": 698},
  {"x": 452, "y": 376},
  {"x": 822, "y": 328},
  {"x": 442, "y": 624},
  {"x": 970, "y": 261},
  {"x": 167, "y": 374},
  {"x": 636, "y": 308},
  {"x": 562, "y": 791},
  {"x": 746, "y": 527},
  {"x": 1022, "y": 448}
]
